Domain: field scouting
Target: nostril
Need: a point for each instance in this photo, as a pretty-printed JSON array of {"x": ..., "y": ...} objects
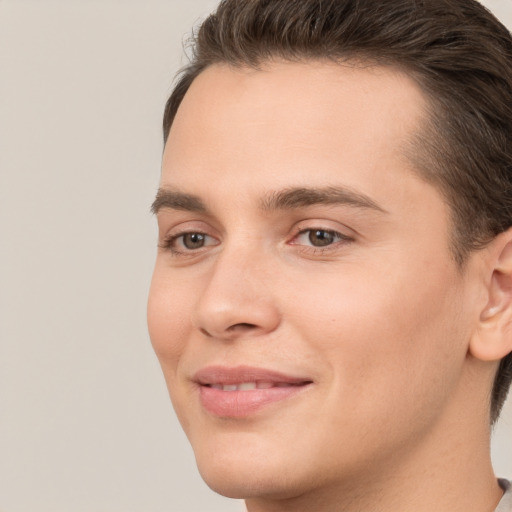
[
  {"x": 241, "y": 327},
  {"x": 232, "y": 329}
]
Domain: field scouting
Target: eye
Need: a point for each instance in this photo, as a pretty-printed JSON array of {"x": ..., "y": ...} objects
[
  {"x": 188, "y": 242},
  {"x": 193, "y": 240},
  {"x": 319, "y": 237}
]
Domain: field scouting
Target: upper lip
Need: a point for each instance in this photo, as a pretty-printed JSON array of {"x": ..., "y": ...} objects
[{"x": 240, "y": 374}]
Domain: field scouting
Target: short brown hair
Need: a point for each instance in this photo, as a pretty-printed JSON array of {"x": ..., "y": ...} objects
[{"x": 458, "y": 53}]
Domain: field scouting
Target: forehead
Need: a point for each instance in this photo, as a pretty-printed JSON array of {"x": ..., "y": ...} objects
[{"x": 301, "y": 121}]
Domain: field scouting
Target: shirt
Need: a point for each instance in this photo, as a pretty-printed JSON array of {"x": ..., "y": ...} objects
[{"x": 505, "y": 505}]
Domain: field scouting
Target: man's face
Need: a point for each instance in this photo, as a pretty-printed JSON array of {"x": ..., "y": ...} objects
[{"x": 302, "y": 257}]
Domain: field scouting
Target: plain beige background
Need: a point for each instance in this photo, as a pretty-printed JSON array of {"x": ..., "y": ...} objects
[{"x": 85, "y": 421}]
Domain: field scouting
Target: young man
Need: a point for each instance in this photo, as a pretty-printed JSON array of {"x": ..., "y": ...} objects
[{"x": 332, "y": 298}]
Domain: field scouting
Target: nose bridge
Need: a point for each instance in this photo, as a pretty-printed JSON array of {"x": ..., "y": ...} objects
[{"x": 237, "y": 299}]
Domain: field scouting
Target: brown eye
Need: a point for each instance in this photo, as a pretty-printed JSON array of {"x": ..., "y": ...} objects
[
  {"x": 321, "y": 237},
  {"x": 194, "y": 240}
]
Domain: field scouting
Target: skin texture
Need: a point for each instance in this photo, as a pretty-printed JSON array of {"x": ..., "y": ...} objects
[{"x": 382, "y": 321}]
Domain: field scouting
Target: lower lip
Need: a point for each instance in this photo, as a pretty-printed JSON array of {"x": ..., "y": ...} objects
[{"x": 239, "y": 404}]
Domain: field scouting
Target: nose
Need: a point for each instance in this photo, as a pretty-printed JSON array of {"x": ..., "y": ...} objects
[{"x": 238, "y": 299}]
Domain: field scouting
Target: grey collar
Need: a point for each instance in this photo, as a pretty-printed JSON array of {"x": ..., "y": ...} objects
[{"x": 505, "y": 505}]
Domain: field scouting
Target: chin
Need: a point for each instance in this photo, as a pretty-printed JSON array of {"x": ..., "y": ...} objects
[
  {"x": 237, "y": 486},
  {"x": 237, "y": 483},
  {"x": 244, "y": 473}
]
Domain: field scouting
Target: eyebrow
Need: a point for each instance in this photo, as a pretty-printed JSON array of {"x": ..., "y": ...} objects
[
  {"x": 287, "y": 199},
  {"x": 293, "y": 198},
  {"x": 175, "y": 200}
]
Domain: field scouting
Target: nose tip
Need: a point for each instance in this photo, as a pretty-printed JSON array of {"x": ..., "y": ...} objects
[
  {"x": 229, "y": 310},
  {"x": 229, "y": 324}
]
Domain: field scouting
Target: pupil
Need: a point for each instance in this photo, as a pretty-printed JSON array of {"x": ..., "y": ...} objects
[
  {"x": 193, "y": 240},
  {"x": 320, "y": 238}
]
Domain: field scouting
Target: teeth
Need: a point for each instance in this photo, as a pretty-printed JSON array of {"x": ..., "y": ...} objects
[
  {"x": 265, "y": 385},
  {"x": 249, "y": 386}
]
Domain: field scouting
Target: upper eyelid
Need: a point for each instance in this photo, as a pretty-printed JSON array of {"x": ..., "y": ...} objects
[
  {"x": 172, "y": 215},
  {"x": 320, "y": 228},
  {"x": 174, "y": 236},
  {"x": 325, "y": 225},
  {"x": 185, "y": 226},
  {"x": 342, "y": 236}
]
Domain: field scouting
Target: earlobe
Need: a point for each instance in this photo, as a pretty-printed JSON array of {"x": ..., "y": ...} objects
[{"x": 493, "y": 339}]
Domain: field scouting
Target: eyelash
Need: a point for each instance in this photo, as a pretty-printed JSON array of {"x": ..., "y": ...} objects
[
  {"x": 169, "y": 243},
  {"x": 341, "y": 239}
]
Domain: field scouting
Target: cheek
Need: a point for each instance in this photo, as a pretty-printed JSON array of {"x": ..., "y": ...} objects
[
  {"x": 389, "y": 340},
  {"x": 168, "y": 319}
]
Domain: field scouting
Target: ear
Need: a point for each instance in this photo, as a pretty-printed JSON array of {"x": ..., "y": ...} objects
[{"x": 492, "y": 340}]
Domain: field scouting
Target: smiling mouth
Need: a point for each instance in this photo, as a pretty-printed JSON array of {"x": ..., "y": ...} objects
[
  {"x": 242, "y": 391},
  {"x": 250, "y": 386}
]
